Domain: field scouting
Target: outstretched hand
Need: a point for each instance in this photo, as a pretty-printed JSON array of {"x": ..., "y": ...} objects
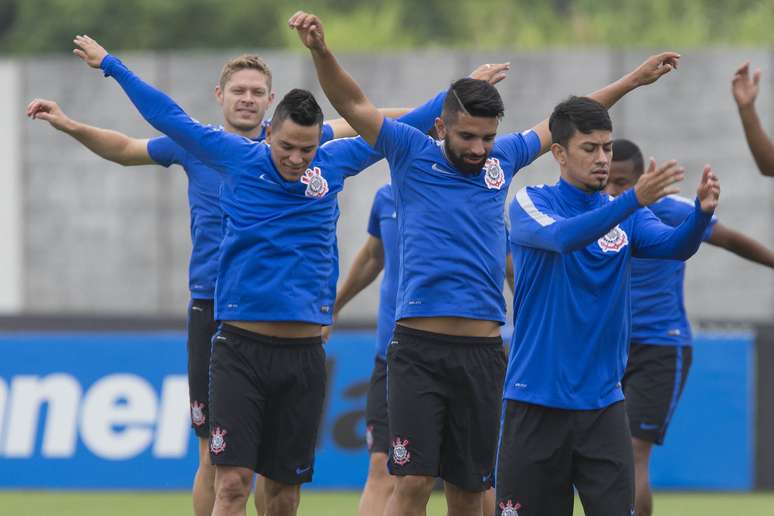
[
  {"x": 659, "y": 182},
  {"x": 89, "y": 51},
  {"x": 654, "y": 67},
  {"x": 48, "y": 110},
  {"x": 709, "y": 190},
  {"x": 745, "y": 90},
  {"x": 491, "y": 73},
  {"x": 310, "y": 30}
]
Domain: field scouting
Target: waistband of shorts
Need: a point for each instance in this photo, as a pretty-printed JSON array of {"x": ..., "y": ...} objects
[
  {"x": 268, "y": 340},
  {"x": 443, "y": 339}
]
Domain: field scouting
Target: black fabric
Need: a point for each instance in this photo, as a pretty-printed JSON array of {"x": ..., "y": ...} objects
[
  {"x": 201, "y": 328},
  {"x": 377, "y": 433}
]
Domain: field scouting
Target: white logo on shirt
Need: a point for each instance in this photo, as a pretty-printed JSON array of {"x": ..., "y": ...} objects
[
  {"x": 493, "y": 174},
  {"x": 316, "y": 184},
  {"x": 615, "y": 240},
  {"x": 442, "y": 171}
]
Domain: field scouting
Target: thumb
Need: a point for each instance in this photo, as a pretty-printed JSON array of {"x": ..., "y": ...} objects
[{"x": 651, "y": 166}]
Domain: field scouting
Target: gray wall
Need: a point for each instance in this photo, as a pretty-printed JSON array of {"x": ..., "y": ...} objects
[{"x": 98, "y": 238}]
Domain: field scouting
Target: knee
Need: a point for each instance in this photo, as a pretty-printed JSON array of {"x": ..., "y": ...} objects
[
  {"x": 232, "y": 485},
  {"x": 415, "y": 487},
  {"x": 460, "y": 498},
  {"x": 281, "y": 498},
  {"x": 641, "y": 450}
]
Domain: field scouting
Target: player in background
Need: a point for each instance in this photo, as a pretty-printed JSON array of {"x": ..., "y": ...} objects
[
  {"x": 450, "y": 196},
  {"x": 660, "y": 351},
  {"x": 564, "y": 421},
  {"x": 745, "y": 91},
  {"x": 278, "y": 261},
  {"x": 380, "y": 253},
  {"x": 244, "y": 93}
]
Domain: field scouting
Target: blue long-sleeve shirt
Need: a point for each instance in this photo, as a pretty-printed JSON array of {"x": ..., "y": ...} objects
[
  {"x": 572, "y": 255},
  {"x": 279, "y": 260}
]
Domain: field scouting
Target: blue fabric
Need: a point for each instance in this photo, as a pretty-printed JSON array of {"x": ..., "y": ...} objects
[
  {"x": 383, "y": 224},
  {"x": 451, "y": 226},
  {"x": 572, "y": 256},
  {"x": 279, "y": 260},
  {"x": 658, "y": 309}
]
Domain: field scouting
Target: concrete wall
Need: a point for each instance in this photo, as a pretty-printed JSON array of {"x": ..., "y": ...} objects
[{"x": 98, "y": 238}]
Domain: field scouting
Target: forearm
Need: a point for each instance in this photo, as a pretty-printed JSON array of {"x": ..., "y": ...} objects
[
  {"x": 572, "y": 234},
  {"x": 615, "y": 91},
  {"x": 743, "y": 246},
  {"x": 683, "y": 241},
  {"x": 761, "y": 146},
  {"x": 107, "y": 144},
  {"x": 363, "y": 272}
]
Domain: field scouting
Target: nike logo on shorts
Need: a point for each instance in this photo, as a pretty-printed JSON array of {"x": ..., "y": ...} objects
[
  {"x": 301, "y": 471},
  {"x": 648, "y": 426}
]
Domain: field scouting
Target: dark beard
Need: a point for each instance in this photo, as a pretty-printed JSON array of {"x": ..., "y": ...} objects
[{"x": 460, "y": 164}]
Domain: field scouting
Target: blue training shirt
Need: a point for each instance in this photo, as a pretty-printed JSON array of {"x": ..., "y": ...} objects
[
  {"x": 572, "y": 259},
  {"x": 658, "y": 309},
  {"x": 451, "y": 226},
  {"x": 206, "y": 223},
  {"x": 278, "y": 259},
  {"x": 383, "y": 224}
]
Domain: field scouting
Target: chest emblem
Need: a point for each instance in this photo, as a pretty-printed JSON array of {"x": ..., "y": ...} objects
[
  {"x": 493, "y": 174},
  {"x": 316, "y": 184},
  {"x": 615, "y": 240}
]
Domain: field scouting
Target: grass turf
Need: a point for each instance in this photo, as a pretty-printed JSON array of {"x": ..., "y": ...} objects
[{"x": 321, "y": 503}]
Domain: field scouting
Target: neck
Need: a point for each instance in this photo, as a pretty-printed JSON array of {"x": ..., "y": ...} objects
[
  {"x": 580, "y": 186},
  {"x": 253, "y": 133}
]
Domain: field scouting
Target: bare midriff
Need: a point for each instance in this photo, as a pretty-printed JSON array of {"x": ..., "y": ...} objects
[
  {"x": 457, "y": 326},
  {"x": 283, "y": 329}
]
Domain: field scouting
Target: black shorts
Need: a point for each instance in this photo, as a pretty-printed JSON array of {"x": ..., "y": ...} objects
[
  {"x": 377, "y": 436},
  {"x": 653, "y": 382},
  {"x": 201, "y": 328},
  {"x": 545, "y": 451},
  {"x": 444, "y": 397},
  {"x": 266, "y": 401}
]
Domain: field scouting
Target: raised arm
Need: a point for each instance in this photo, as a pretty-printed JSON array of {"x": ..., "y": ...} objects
[
  {"x": 214, "y": 147},
  {"x": 741, "y": 245},
  {"x": 534, "y": 223},
  {"x": 110, "y": 145},
  {"x": 648, "y": 72},
  {"x": 341, "y": 89},
  {"x": 654, "y": 239},
  {"x": 342, "y": 129},
  {"x": 745, "y": 91}
]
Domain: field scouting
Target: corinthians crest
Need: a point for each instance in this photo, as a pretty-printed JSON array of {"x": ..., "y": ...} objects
[
  {"x": 493, "y": 174},
  {"x": 316, "y": 184},
  {"x": 197, "y": 413},
  {"x": 400, "y": 453},
  {"x": 614, "y": 241},
  {"x": 509, "y": 509},
  {"x": 218, "y": 440}
]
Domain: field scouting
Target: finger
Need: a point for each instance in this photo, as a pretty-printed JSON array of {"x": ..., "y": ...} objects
[
  {"x": 80, "y": 53},
  {"x": 671, "y": 190},
  {"x": 757, "y": 76},
  {"x": 744, "y": 69},
  {"x": 667, "y": 166},
  {"x": 651, "y": 166}
]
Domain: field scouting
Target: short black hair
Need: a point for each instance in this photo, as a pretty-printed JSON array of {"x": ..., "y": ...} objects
[
  {"x": 300, "y": 106},
  {"x": 626, "y": 150},
  {"x": 577, "y": 114},
  {"x": 474, "y": 97}
]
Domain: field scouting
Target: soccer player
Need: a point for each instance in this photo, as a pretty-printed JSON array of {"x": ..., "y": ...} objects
[
  {"x": 278, "y": 261},
  {"x": 745, "y": 92},
  {"x": 445, "y": 361},
  {"x": 564, "y": 422},
  {"x": 244, "y": 92},
  {"x": 660, "y": 351}
]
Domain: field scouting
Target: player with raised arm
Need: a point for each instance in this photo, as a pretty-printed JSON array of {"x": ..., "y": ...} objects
[
  {"x": 445, "y": 361},
  {"x": 244, "y": 93},
  {"x": 564, "y": 422},
  {"x": 278, "y": 263},
  {"x": 660, "y": 351},
  {"x": 745, "y": 91}
]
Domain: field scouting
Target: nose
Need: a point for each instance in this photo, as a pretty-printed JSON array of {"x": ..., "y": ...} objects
[
  {"x": 295, "y": 158},
  {"x": 602, "y": 156},
  {"x": 477, "y": 148}
]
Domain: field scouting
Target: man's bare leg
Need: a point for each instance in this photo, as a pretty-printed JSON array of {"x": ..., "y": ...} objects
[
  {"x": 378, "y": 488},
  {"x": 643, "y": 496},
  {"x": 488, "y": 502},
  {"x": 204, "y": 481},
  {"x": 281, "y": 499},
  {"x": 460, "y": 502},
  {"x": 259, "y": 495},
  {"x": 410, "y": 496},
  {"x": 232, "y": 488}
]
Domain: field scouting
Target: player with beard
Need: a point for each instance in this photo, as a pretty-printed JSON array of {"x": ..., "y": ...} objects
[
  {"x": 445, "y": 361},
  {"x": 564, "y": 422},
  {"x": 745, "y": 91},
  {"x": 244, "y": 93},
  {"x": 660, "y": 351}
]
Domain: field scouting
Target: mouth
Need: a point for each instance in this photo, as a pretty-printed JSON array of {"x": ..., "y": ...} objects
[{"x": 473, "y": 160}]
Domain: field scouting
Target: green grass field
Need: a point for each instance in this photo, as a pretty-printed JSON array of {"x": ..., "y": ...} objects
[{"x": 317, "y": 503}]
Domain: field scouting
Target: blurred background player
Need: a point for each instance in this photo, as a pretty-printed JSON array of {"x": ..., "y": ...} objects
[
  {"x": 745, "y": 90},
  {"x": 564, "y": 421},
  {"x": 660, "y": 354},
  {"x": 450, "y": 197}
]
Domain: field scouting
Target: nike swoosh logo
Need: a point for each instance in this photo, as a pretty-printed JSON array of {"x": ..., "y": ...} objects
[
  {"x": 264, "y": 178},
  {"x": 301, "y": 471},
  {"x": 648, "y": 426},
  {"x": 442, "y": 171}
]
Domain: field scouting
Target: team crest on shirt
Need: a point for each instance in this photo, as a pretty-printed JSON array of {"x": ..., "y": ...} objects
[
  {"x": 509, "y": 509},
  {"x": 197, "y": 413},
  {"x": 493, "y": 174},
  {"x": 614, "y": 241},
  {"x": 316, "y": 184},
  {"x": 218, "y": 440},
  {"x": 400, "y": 454}
]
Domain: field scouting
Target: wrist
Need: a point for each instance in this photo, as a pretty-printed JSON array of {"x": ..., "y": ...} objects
[
  {"x": 747, "y": 109},
  {"x": 321, "y": 52},
  {"x": 630, "y": 82}
]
